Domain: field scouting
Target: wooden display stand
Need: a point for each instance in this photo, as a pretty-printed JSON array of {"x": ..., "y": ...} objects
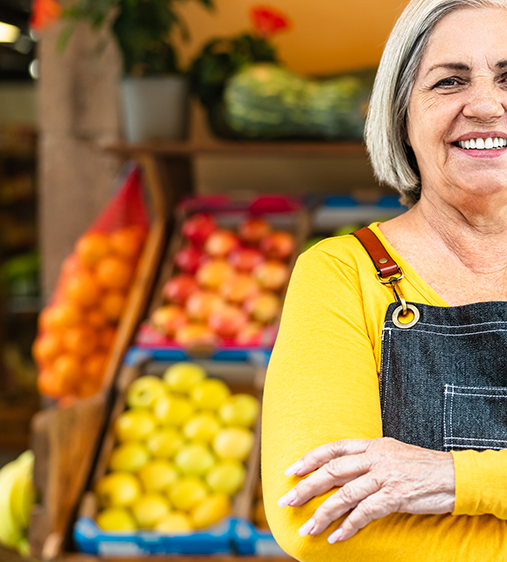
[{"x": 65, "y": 440}]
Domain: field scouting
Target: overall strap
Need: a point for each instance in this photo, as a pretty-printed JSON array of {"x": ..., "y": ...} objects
[
  {"x": 389, "y": 273},
  {"x": 384, "y": 264}
]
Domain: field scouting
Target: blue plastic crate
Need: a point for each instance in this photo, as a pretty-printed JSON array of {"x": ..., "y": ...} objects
[
  {"x": 256, "y": 356},
  {"x": 218, "y": 539},
  {"x": 90, "y": 539},
  {"x": 248, "y": 540}
]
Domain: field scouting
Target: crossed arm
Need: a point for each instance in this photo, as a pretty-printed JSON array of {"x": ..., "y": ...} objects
[
  {"x": 321, "y": 407},
  {"x": 375, "y": 478}
]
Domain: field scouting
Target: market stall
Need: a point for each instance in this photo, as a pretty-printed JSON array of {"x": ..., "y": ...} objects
[{"x": 185, "y": 300}]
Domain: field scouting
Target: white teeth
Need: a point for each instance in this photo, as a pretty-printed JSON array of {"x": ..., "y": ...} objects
[{"x": 483, "y": 144}]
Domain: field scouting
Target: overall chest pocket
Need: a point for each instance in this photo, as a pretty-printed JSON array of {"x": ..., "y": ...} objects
[{"x": 475, "y": 417}]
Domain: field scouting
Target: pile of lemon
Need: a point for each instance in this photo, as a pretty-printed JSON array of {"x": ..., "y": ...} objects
[{"x": 180, "y": 454}]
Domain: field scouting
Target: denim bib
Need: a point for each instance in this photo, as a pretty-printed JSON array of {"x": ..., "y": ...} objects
[{"x": 443, "y": 381}]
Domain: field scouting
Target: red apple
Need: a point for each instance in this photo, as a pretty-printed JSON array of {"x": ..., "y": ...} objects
[
  {"x": 168, "y": 319},
  {"x": 277, "y": 245},
  {"x": 252, "y": 231},
  {"x": 221, "y": 243},
  {"x": 198, "y": 227},
  {"x": 245, "y": 259},
  {"x": 196, "y": 335},
  {"x": 264, "y": 307},
  {"x": 238, "y": 288},
  {"x": 179, "y": 288},
  {"x": 189, "y": 259},
  {"x": 271, "y": 275},
  {"x": 228, "y": 321},
  {"x": 250, "y": 334},
  {"x": 213, "y": 273},
  {"x": 201, "y": 304}
]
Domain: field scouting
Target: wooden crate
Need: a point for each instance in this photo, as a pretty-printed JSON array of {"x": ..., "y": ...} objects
[
  {"x": 240, "y": 377},
  {"x": 228, "y": 213}
]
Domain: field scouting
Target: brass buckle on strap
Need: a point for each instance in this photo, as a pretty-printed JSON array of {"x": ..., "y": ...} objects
[
  {"x": 404, "y": 308},
  {"x": 394, "y": 282}
]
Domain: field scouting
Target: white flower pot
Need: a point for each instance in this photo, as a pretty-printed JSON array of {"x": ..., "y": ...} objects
[{"x": 155, "y": 108}]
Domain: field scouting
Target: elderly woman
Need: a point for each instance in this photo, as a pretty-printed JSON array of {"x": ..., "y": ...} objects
[{"x": 385, "y": 409}]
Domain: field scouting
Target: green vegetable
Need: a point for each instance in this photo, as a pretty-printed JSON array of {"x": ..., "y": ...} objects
[
  {"x": 267, "y": 101},
  {"x": 220, "y": 59}
]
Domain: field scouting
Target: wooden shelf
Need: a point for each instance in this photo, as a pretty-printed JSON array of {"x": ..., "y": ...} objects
[{"x": 241, "y": 148}]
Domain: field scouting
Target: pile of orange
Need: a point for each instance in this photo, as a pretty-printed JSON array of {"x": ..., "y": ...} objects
[{"x": 78, "y": 328}]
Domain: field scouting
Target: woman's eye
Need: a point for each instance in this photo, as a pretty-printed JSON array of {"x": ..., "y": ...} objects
[{"x": 447, "y": 83}]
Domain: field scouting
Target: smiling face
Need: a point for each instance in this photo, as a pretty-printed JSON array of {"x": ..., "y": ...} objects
[{"x": 457, "y": 119}]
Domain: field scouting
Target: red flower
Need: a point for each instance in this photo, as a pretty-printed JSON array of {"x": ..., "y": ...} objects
[
  {"x": 44, "y": 12},
  {"x": 268, "y": 21}
]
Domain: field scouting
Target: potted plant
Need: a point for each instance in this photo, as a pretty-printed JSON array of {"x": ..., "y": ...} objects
[{"x": 154, "y": 88}]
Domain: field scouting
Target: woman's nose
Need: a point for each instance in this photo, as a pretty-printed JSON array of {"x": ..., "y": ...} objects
[{"x": 486, "y": 102}]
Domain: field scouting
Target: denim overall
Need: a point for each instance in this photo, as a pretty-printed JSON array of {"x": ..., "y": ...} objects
[{"x": 443, "y": 375}]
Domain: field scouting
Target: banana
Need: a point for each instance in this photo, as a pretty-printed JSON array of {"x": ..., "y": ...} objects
[
  {"x": 10, "y": 532},
  {"x": 23, "y": 493}
]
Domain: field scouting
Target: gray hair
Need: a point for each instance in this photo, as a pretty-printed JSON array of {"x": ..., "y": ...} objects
[{"x": 392, "y": 158}]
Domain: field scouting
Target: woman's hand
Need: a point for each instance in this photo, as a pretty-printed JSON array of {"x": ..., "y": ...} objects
[{"x": 377, "y": 477}]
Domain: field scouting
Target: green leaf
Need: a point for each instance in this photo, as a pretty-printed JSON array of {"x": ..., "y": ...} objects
[{"x": 64, "y": 37}]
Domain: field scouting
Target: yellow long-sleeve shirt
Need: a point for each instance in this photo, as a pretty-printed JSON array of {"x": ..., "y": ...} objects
[{"x": 322, "y": 385}]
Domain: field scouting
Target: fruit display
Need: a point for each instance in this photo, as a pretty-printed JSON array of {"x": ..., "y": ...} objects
[
  {"x": 17, "y": 497},
  {"x": 77, "y": 329},
  {"x": 343, "y": 214},
  {"x": 179, "y": 453},
  {"x": 226, "y": 285}
]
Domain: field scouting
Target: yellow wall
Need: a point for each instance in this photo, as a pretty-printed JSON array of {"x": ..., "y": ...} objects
[{"x": 327, "y": 35}]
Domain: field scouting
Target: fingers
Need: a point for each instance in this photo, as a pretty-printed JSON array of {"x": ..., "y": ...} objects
[
  {"x": 323, "y": 454},
  {"x": 336, "y": 472},
  {"x": 372, "y": 507},
  {"x": 353, "y": 494}
]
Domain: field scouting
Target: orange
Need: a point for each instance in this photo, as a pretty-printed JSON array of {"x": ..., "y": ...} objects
[
  {"x": 70, "y": 266},
  {"x": 87, "y": 387},
  {"x": 82, "y": 288},
  {"x": 47, "y": 384},
  {"x": 81, "y": 340},
  {"x": 60, "y": 316},
  {"x": 96, "y": 318},
  {"x": 106, "y": 338},
  {"x": 92, "y": 248},
  {"x": 127, "y": 242},
  {"x": 67, "y": 401},
  {"x": 95, "y": 365},
  {"x": 67, "y": 371},
  {"x": 47, "y": 347},
  {"x": 114, "y": 273},
  {"x": 112, "y": 304}
]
